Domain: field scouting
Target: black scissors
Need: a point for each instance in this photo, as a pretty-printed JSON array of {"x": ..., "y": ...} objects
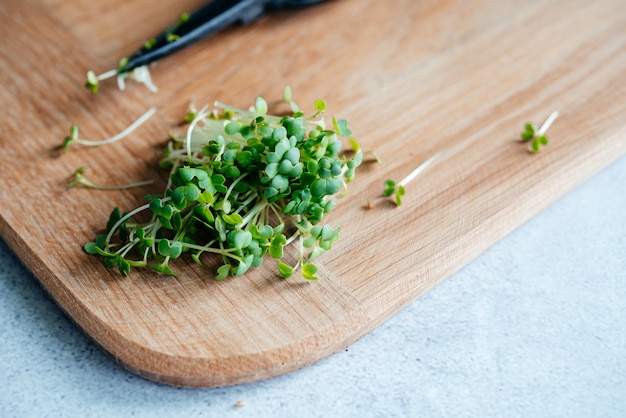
[{"x": 208, "y": 19}]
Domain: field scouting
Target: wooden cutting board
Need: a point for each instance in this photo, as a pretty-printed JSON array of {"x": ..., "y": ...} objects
[{"x": 414, "y": 78}]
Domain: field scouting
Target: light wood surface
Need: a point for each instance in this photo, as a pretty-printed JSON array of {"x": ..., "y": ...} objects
[{"x": 414, "y": 78}]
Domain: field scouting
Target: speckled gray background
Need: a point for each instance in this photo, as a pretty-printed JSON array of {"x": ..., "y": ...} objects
[{"x": 535, "y": 327}]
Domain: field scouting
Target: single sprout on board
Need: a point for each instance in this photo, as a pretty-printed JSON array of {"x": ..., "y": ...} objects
[
  {"x": 79, "y": 178},
  {"x": 538, "y": 136},
  {"x": 397, "y": 188},
  {"x": 74, "y": 131},
  {"x": 243, "y": 184}
]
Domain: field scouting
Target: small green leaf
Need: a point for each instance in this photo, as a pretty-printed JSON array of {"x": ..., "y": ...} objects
[
  {"x": 167, "y": 248},
  {"x": 172, "y": 37},
  {"x": 261, "y": 106},
  {"x": 271, "y": 170},
  {"x": 308, "y": 271},
  {"x": 390, "y": 188},
  {"x": 223, "y": 272},
  {"x": 239, "y": 239},
  {"x": 341, "y": 127},
  {"x": 92, "y": 248},
  {"x": 528, "y": 133},
  {"x": 192, "y": 192},
  {"x": 163, "y": 268},
  {"x": 285, "y": 270},
  {"x": 232, "y": 128},
  {"x": 149, "y": 44},
  {"x": 309, "y": 242},
  {"x": 206, "y": 197},
  {"x": 276, "y": 246},
  {"x": 92, "y": 82},
  {"x": 399, "y": 194},
  {"x": 122, "y": 65},
  {"x": 320, "y": 106},
  {"x": 232, "y": 219},
  {"x": 183, "y": 18},
  {"x": 123, "y": 266}
]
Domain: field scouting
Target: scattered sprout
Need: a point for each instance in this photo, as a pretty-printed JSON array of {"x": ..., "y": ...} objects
[
  {"x": 79, "y": 178},
  {"x": 149, "y": 44},
  {"x": 243, "y": 184},
  {"x": 391, "y": 187},
  {"x": 74, "y": 138},
  {"x": 538, "y": 136}
]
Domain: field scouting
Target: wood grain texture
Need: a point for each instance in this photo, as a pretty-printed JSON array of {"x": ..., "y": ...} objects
[{"x": 413, "y": 78}]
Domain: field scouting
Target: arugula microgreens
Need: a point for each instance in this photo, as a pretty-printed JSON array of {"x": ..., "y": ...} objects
[
  {"x": 538, "y": 136},
  {"x": 242, "y": 184}
]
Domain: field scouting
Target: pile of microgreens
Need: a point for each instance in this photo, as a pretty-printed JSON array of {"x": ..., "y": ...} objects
[
  {"x": 242, "y": 184},
  {"x": 538, "y": 135}
]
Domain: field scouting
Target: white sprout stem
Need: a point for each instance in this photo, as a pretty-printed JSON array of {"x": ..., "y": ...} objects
[
  {"x": 108, "y": 74},
  {"x": 419, "y": 169},
  {"x": 542, "y": 130},
  {"x": 232, "y": 186},
  {"x": 201, "y": 114},
  {"x": 293, "y": 237},
  {"x": 138, "y": 122},
  {"x": 260, "y": 206},
  {"x": 121, "y": 186}
]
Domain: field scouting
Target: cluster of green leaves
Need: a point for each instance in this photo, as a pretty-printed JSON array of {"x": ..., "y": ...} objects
[
  {"x": 243, "y": 185},
  {"x": 529, "y": 134},
  {"x": 392, "y": 187},
  {"x": 538, "y": 135}
]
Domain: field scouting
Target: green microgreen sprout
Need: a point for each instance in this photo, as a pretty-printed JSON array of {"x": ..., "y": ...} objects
[
  {"x": 149, "y": 44},
  {"x": 79, "y": 179},
  {"x": 172, "y": 37},
  {"x": 243, "y": 185},
  {"x": 397, "y": 188},
  {"x": 183, "y": 18},
  {"x": 74, "y": 131},
  {"x": 538, "y": 136},
  {"x": 288, "y": 98}
]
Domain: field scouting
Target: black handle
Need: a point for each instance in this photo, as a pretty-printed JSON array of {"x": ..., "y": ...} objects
[{"x": 203, "y": 22}]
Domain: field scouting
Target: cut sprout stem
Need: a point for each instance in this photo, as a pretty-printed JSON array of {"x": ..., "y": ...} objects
[
  {"x": 79, "y": 178},
  {"x": 548, "y": 122},
  {"x": 73, "y": 137},
  {"x": 418, "y": 170}
]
